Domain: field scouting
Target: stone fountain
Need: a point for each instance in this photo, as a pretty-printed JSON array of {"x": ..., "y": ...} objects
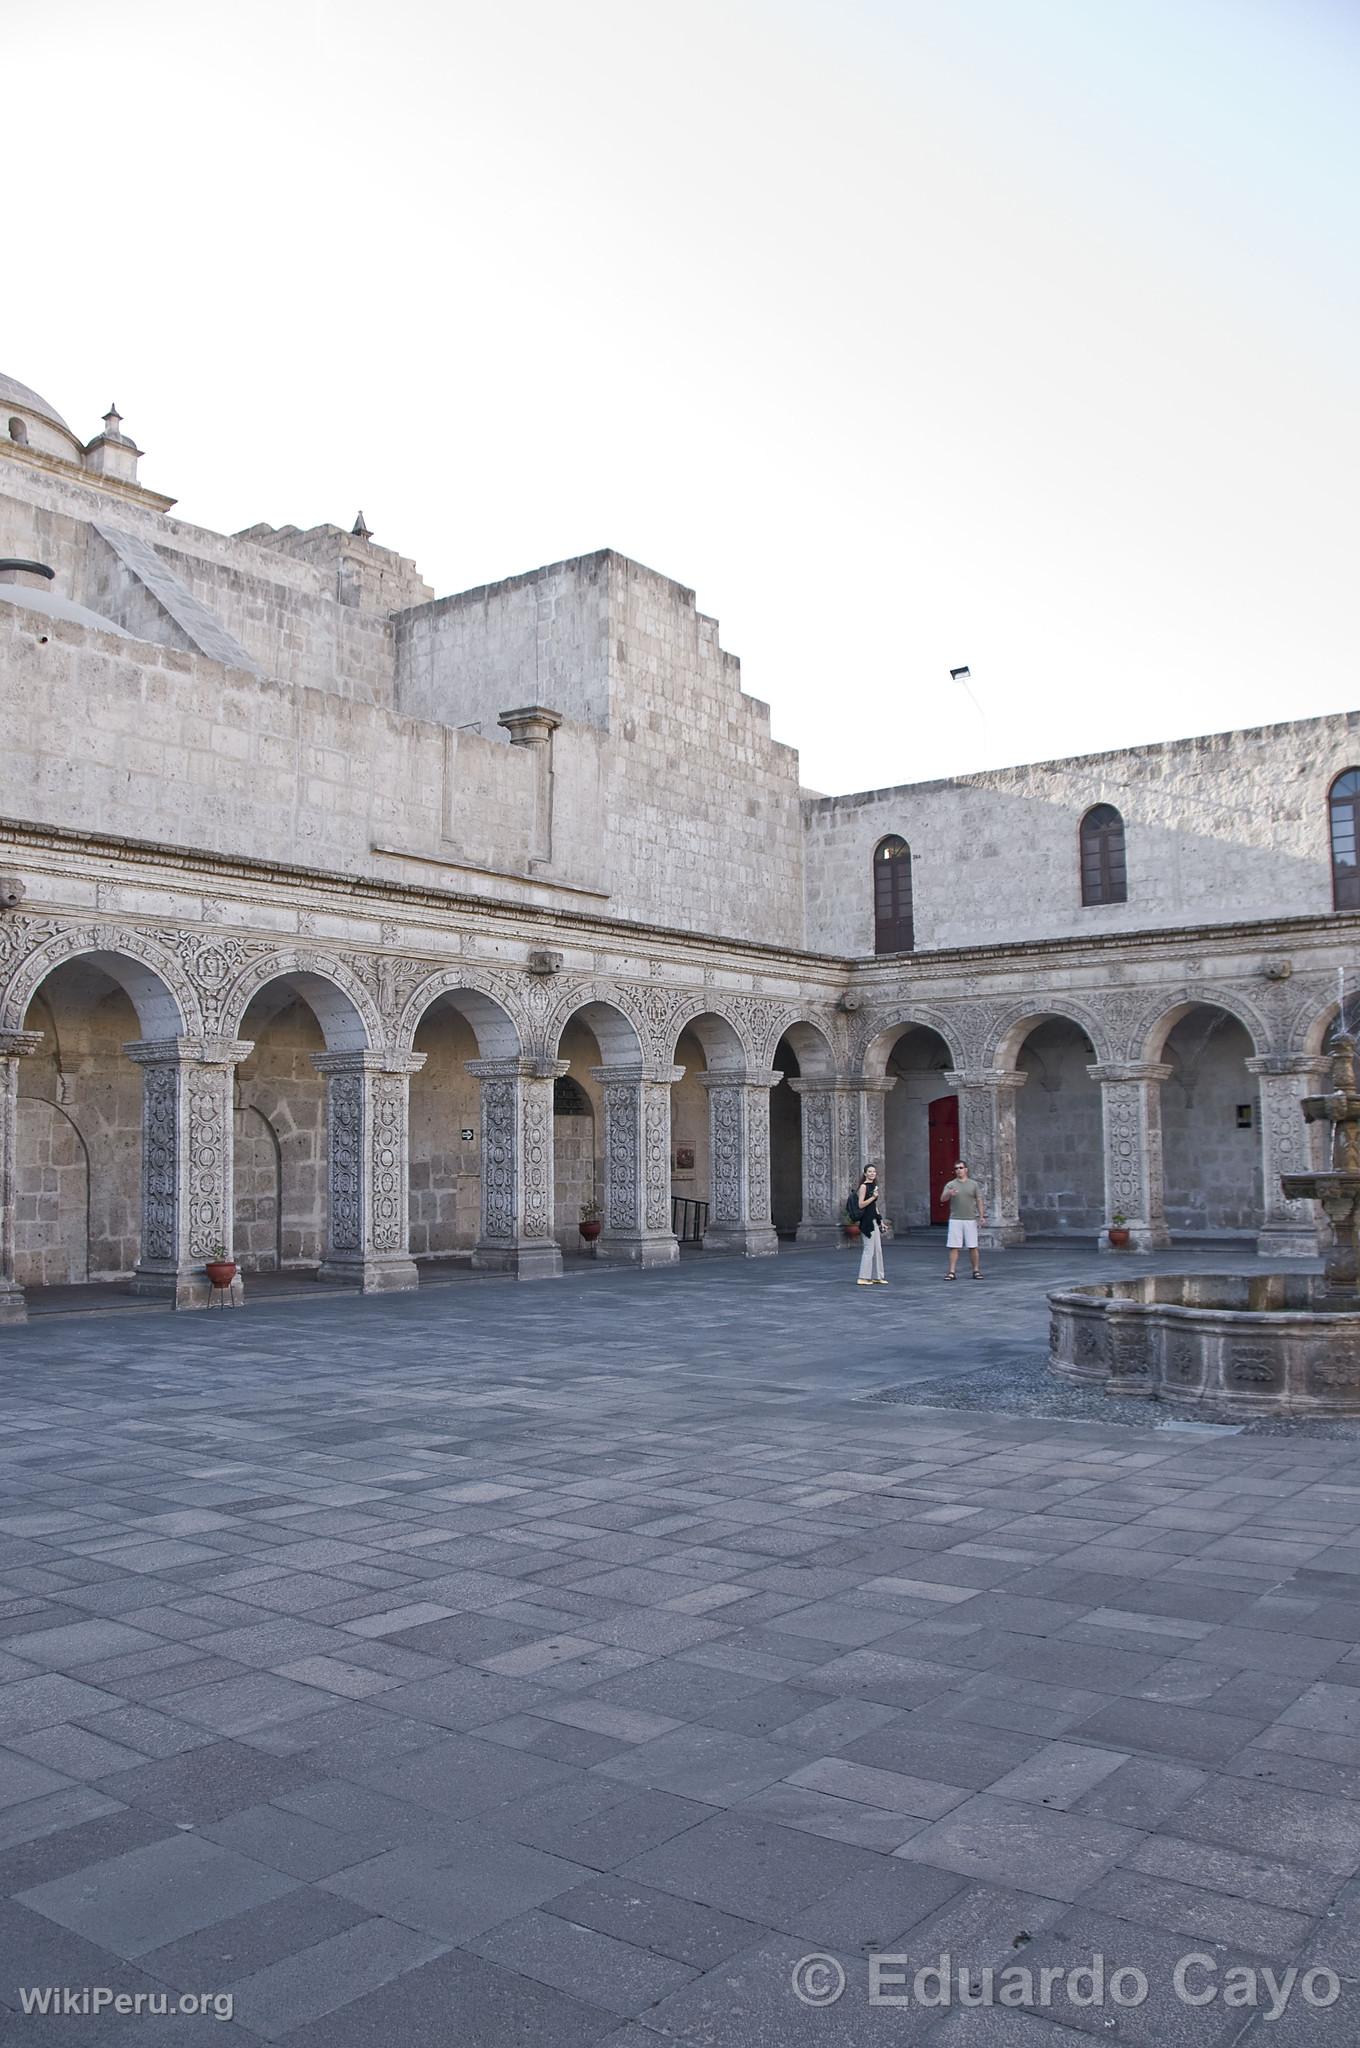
[{"x": 1242, "y": 1344}]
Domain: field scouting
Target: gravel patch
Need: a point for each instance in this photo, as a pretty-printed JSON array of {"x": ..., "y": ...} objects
[{"x": 1025, "y": 1386}]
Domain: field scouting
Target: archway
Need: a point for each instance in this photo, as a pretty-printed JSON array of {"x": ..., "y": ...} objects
[
  {"x": 281, "y": 1127},
  {"x": 921, "y": 1128},
  {"x": 629, "y": 1103},
  {"x": 78, "y": 1138},
  {"x": 446, "y": 1137},
  {"x": 1211, "y": 1145},
  {"x": 803, "y": 1054},
  {"x": 1059, "y": 1130}
]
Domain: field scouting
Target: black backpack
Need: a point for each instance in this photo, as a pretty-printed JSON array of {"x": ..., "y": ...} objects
[{"x": 852, "y": 1209}]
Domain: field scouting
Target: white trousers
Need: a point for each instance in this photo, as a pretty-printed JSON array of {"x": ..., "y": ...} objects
[{"x": 871, "y": 1256}]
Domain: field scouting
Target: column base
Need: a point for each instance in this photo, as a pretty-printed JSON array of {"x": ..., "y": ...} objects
[
  {"x": 181, "y": 1286},
  {"x": 1288, "y": 1241},
  {"x": 746, "y": 1240},
  {"x": 1143, "y": 1237},
  {"x": 639, "y": 1251},
  {"x": 370, "y": 1276},
  {"x": 537, "y": 1261},
  {"x": 821, "y": 1233},
  {"x": 998, "y": 1237},
  {"x": 13, "y": 1307}
]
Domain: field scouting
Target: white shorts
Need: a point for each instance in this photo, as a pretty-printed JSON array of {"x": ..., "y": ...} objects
[{"x": 962, "y": 1236}]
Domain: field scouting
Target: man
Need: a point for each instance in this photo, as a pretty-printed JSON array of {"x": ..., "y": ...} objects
[{"x": 966, "y": 1210}]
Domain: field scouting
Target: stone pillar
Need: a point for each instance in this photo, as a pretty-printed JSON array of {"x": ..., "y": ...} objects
[
  {"x": 517, "y": 1168},
  {"x": 739, "y": 1218},
  {"x": 187, "y": 1157},
  {"x": 368, "y": 1169},
  {"x": 833, "y": 1151},
  {"x": 1131, "y": 1111},
  {"x": 1289, "y": 1230},
  {"x": 14, "y": 1045},
  {"x": 637, "y": 1162},
  {"x": 987, "y": 1142}
]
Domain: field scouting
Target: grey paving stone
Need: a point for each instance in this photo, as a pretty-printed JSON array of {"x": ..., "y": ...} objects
[
  {"x": 152, "y": 1895},
  {"x": 467, "y": 1881},
  {"x": 593, "y": 1967},
  {"x": 1007, "y": 1842},
  {"x": 1240, "y": 1813},
  {"x": 615, "y": 1826},
  {"x": 460, "y": 1776},
  {"x": 745, "y": 1866},
  {"x": 1188, "y": 1910},
  {"x": 39, "y": 1702},
  {"x": 700, "y": 1763},
  {"x": 219, "y": 1955},
  {"x": 76, "y": 1643},
  {"x": 648, "y": 1918},
  {"x": 952, "y": 1754},
  {"x": 300, "y": 1989},
  {"x": 72, "y": 1847},
  {"x": 34, "y": 1951},
  {"x": 1189, "y": 1734},
  {"x": 460, "y": 1998},
  {"x": 205, "y": 1784},
  {"x": 1141, "y": 1793},
  {"x": 1274, "y": 1882},
  {"x": 749, "y": 2002},
  {"x": 874, "y": 1911}
]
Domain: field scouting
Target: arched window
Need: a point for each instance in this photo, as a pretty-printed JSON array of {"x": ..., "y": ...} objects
[
  {"x": 570, "y": 1098},
  {"x": 1344, "y": 806},
  {"x": 1103, "y": 878},
  {"x": 893, "y": 931}
]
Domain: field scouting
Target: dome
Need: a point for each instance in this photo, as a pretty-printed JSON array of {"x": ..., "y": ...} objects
[
  {"x": 28, "y": 419},
  {"x": 16, "y": 395}
]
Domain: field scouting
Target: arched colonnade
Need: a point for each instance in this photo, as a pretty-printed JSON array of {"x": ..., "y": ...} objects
[{"x": 291, "y": 1110}]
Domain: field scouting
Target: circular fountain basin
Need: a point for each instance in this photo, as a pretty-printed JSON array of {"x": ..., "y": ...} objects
[{"x": 1246, "y": 1344}]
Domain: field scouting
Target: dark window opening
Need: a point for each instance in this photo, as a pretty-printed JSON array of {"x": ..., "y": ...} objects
[
  {"x": 1104, "y": 878},
  {"x": 1344, "y": 806},
  {"x": 569, "y": 1097},
  {"x": 894, "y": 929}
]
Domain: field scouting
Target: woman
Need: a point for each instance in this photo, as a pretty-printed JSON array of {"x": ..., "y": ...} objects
[{"x": 870, "y": 1230}]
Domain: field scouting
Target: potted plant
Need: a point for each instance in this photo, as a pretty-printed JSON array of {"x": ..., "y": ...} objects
[
  {"x": 1118, "y": 1232},
  {"x": 219, "y": 1267},
  {"x": 849, "y": 1229},
  {"x": 591, "y": 1223}
]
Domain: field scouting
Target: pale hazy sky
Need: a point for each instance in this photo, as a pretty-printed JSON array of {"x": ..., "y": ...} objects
[{"x": 908, "y": 333}]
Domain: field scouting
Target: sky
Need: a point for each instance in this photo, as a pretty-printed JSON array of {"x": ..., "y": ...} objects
[{"x": 908, "y": 334}]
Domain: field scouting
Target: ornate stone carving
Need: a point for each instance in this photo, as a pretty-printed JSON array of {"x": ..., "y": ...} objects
[
  {"x": 366, "y": 1123},
  {"x": 345, "y": 1127}
]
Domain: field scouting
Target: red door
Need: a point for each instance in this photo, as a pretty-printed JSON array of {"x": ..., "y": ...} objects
[{"x": 944, "y": 1150}]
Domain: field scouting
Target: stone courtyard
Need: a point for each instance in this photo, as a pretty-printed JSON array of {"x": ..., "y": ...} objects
[{"x": 566, "y": 1664}]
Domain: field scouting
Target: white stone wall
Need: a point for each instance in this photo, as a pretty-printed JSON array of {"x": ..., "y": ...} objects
[{"x": 1226, "y": 827}]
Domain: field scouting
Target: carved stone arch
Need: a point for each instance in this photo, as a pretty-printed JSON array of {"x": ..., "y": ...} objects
[
  {"x": 871, "y": 1045},
  {"x": 354, "y": 1025},
  {"x": 1005, "y": 1045},
  {"x": 689, "y": 1009},
  {"x": 817, "y": 1044},
  {"x": 1146, "y": 1040},
  {"x": 1313, "y": 1017},
  {"x": 139, "y": 960},
  {"x": 499, "y": 989},
  {"x": 613, "y": 995}
]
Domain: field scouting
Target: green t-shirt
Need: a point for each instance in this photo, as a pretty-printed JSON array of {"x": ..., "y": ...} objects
[{"x": 963, "y": 1197}]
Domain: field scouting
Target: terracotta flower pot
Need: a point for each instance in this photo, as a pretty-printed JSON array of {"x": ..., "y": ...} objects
[
  {"x": 1118, "y": 1236},
  {"x": 221, "y": 1272},
  {"x": 591, "y": 1230},
  {"x": 851, "y": 1229}
]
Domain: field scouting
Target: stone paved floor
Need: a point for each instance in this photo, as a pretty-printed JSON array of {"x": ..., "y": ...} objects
[{"x": 561, "y": 1664}]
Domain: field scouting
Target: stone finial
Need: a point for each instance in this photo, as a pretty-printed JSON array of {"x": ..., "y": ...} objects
[
  {"x": 113, "y": 420},
  {"x": 361, "y": 530}
]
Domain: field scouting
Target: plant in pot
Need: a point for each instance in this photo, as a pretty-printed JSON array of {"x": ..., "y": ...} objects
[
  {"x": 1118, "y": 1231},
  {"x": 591, "y": 1222},
  {"x": 220, "y": 1267}
]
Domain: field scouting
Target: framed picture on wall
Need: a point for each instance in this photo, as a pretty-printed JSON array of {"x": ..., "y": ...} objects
[{"x": 684, "y": 1158}]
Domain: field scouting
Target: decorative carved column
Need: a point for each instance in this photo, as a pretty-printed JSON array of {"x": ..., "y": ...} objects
[
  {"x": 987, "y": 1142},
  {"x": 842, "y": 1130},
  {"x": 739, "y": 1217},
  {"x": 187, "y": 1151},
  {"x": 1131, "y": 1109},
  {"x": 517, "y": 1168},
  {"x": 14, "y": 1046},
  {"x": 1289, "y": 1230},
  {"x": 637, "y": 1162},
  {"x": 368, "y": 1169}
]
